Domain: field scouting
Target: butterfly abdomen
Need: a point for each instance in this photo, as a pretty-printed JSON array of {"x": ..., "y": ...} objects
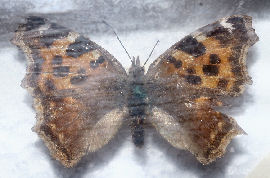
[{"x": 136, "y": 103}]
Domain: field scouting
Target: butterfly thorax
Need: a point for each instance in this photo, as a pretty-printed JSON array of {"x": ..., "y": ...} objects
[{"x": 136, "y": 101}]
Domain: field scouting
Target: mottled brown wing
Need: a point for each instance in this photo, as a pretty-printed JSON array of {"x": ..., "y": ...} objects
[
  {"x": 77, "y": 87},
  {"x": 193, "y": 76}
]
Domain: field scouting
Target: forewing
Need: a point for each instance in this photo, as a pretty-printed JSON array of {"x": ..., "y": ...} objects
[
  {"x": 77, "y": 86},
  {"x": 194, "y": 75},
  {"x": 211, "y": 59}
]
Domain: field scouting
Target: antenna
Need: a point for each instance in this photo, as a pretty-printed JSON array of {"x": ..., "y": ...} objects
[
  {"x": 117, "y": 38},
  {"x": 151, "y": 53}
]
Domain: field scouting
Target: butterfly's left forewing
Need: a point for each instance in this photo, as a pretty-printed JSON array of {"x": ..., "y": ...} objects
[
  {"x": 77, "y": 87},
  {"x": 194, "y": 76}
]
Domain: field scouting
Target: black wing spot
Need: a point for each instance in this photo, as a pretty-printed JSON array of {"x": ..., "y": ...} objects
[
  {"x": 193, "y": 79},
  {"x": 57, "y": 60},
  {"x": 177, "y": 63},
  {"x": 171, "y": 59},
  {"x": 214, "y": 59},
  {"x": 237, "y": 22},
  {"x": 81, "y": 46},
  {"x": 217, "y": 31},
  {"x": 191, "y": 70},
  {"x": 191, "y": 46},
  {"x": 96, "y": 63},
  {"x": 239, "y": 27},
  {"x": 79, "y": 78},
  {"x": 61, "y": 71},
  {"x": 210, "y": 70},
  {"x": 100, "y": 60}
]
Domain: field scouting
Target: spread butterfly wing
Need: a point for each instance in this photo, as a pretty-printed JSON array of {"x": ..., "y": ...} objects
[
  {"x": 198, "y": 73},
  {"x": 77, "y": 88}
]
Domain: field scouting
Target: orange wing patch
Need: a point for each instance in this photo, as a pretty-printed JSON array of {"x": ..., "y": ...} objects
[
  {"x": 213, "y": 68},
  {"x": 213, "y": 57},
  {"x": 60, "y": 69}
]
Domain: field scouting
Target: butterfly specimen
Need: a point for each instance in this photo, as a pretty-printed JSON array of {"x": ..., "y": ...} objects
[{"x": 82, "y": 94}]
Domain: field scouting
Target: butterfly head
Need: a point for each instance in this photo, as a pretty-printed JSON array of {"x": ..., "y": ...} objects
[{"x": 136, "y": 69}]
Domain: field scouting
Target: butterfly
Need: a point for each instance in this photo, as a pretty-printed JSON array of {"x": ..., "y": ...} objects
[{"x": 82, "y": 93}]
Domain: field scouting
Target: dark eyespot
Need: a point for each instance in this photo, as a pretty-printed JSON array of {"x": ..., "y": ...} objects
[
  {"x": 191, "y": 46},
  {"x": 193, "y": 79},
  {"x": 177, "y": 63},
  {"x": 210, "y": 70},
  {"x": 171, "y": 59},
  {"x": 81, "y": 46},
  {"x": 191, "y": 71},
  {"x": 96, "y": 63},
  {"x": 214, "y": 59}
]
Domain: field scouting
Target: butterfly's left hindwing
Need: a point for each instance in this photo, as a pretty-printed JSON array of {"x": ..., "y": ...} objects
[
  {"x": 77, "y": 88},
  {"x": 193, "y": 77}
]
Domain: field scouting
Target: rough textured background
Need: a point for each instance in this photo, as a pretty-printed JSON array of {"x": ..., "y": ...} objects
[
  {"x": 139, "y": 24},
  {"x": 128, "y": 15}
]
